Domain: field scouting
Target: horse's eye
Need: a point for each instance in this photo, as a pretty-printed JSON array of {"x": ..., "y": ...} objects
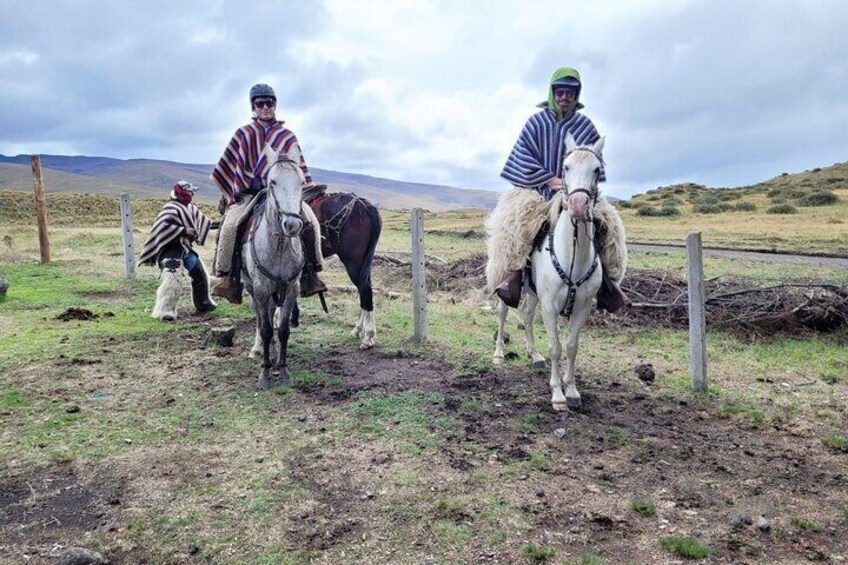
[
  {"x": 566, "y": 167},
  {"x": 273, "y": 183},
  {"x": 597, "y": 171}
]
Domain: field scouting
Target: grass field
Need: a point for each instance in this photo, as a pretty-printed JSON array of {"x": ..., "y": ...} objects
[{"x": 134, "y": 438}]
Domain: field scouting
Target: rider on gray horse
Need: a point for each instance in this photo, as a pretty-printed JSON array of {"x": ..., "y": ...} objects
[
  {"x": 536, "y": 164},
  {"x": 240, "y": 174}
]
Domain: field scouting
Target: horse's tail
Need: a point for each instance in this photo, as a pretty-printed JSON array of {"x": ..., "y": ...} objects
[{"x": 364, "y": 276}]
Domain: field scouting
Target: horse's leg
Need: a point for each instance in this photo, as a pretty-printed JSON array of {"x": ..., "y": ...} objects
[
  {"x": 370, "y": 338},
  {"x": 550, "y": 317},
  {"x": 529, "y": 337},
  {"x": 360, "y": 324},
  {"x": 283, "y": 331},
  {"x": 498, "y": 356},
  {"x": 575, "y": 324},
  {"x": 265, "y": 330}
]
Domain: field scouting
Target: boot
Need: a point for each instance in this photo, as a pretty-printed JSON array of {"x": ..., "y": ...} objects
[
  {"x": 510, "y": 289},
  {"x": 200, "y": 290},
  {"x": 224, "y": 286},
  {"x": 310, "y": 284},
  {"x": 610, "y": 296}
]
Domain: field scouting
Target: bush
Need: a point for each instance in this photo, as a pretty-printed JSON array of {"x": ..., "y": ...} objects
[
  {"x": 667, "y": 210},
  {"x": 711, "y": 208},
  {"x": 745, "y": 207},
  {"x": 820, "y": 198},
  {"x": 624, "y": 204},
  {"x": 786, "y": 192},
  {"x": 782, "y": 209}
]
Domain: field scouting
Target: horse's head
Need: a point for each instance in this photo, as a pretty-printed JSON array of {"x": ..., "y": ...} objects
[
  {"x": 580, "y": 173},
  {"x": 285, "y": 190}
]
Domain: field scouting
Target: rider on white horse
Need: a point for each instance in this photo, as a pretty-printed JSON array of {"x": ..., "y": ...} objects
[
  {"x": 240, "y": 175},
  {"x": 536, "y": 164}
]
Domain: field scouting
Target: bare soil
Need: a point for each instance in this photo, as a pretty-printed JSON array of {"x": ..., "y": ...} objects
[{"x": 582, "y": 470}]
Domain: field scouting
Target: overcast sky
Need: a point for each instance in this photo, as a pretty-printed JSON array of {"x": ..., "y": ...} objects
[{"x": 723, "y": 93}]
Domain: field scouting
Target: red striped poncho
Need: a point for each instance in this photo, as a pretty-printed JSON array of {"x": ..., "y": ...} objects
[
  {"x": 171, "y": 223},
  {"x": 243, "y": 158}
]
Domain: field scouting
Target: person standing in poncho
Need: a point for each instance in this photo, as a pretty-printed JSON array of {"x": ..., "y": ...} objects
[
  {"x": 534, "y": 167},
  {"x": 169, "y": 245}
]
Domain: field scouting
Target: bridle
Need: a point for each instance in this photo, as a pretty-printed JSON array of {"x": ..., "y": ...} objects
[
  {"x": 280, "y": 213},
  {"x": 281, "y": 236},
  {"x": 568, "y": 278}
]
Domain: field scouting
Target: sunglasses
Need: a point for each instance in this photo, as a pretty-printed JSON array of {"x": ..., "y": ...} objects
[
  {"x": 565, "y": 92},
  {"x": 264, "y": 103}
]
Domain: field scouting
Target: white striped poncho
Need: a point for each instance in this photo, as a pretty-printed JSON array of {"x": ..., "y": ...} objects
[
  {"x": 171, "y": 223},
  {"x": 539, "y": 152}
]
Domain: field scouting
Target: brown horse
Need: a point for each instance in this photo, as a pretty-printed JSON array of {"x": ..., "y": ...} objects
[{"x": 350, "y": 228}]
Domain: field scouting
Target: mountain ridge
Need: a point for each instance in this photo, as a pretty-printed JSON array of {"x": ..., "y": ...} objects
[{"x": 151, "y": 177}]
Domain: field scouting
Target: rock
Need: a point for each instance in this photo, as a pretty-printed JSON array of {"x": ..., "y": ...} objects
[
  {"x": 763, "y": 524},
  {"x": 645, "y": 372},
  {"x": 368, "y": 495},
  {"x": 81, "y": 556},
  {"x": 746, "y": 519},
  {"x": 540, "y": 493},
  {"x": 72, "y": 409},
  {"x": 559, "y": 433}
]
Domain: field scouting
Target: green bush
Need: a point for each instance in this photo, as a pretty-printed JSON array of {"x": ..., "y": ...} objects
[
  {"x": 782, "y": 209},
  {"x": 819, "y": 198},
  {"x": 687, "y": 547},
  {"x": 711, "y": 208},
  {"x": 624, "y": 204},
  {"x": 745, "y": 207},
  {"x": 668, "y": 210},
  {"x": 786, "y": 192}
]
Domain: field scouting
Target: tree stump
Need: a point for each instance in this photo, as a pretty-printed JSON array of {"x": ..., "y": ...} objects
[{"x": 223, "y": 336}]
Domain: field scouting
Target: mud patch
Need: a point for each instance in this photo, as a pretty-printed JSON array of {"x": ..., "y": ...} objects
[
  {"x": 56, "y": 505},
  {"x": 80, "y": 314}
]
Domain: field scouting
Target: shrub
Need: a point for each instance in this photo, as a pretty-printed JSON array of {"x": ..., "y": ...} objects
[
  {"x": 745, "y": 207},
  {"x": 711, "y": 208},
  {"x": 820, "y": 198},
  {"x": 668, "y": 210},
  {"x": 786, "y": 192},
  {"x": 538, "y": 554},
  {"x": 624, "y": 204},
  {"x": 782, "y": 209}
]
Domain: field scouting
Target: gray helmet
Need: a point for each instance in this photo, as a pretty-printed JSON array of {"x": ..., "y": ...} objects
[{"x": 258, "y": 90}]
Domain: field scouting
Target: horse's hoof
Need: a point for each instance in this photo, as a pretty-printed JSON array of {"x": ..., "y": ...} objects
[
  {"x": 497, "y": 360},
  {"x": 366, "y": 346},
  {"x": 254, "y": 353},
  {"x": 559, "y": 406},
  {"x": 356, "y": 332},
  {"x": 539, "y": 364},
  {"x": 574, "y": 403},
  {"x": 168, "y": 317},
  {"x": 263, "y": 383}
]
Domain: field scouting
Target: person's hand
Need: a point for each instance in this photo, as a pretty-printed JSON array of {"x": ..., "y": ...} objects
[
  {"x": 222, "y": 205},
  {"x": 190, "y": 233},
  {"x": 555, "y": 183}
]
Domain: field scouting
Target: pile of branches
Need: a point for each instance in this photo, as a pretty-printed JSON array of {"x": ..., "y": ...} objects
[{"x": 736, "y": 304}]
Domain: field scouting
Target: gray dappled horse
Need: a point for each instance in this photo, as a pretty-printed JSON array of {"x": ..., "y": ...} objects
[
  {"x": 272, "y": 258},
  {"x": 566, "y": 272}
]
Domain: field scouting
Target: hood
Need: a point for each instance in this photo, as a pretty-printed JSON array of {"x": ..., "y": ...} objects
[{"x": 550, "y": 103}]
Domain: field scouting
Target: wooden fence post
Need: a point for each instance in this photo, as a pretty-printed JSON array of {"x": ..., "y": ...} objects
[
  {"x": 127, "y": 227},
  {"x": 419, "y": 277},
  {"x": 40, "y": 209},
  {"x": 697, "y": 319}
]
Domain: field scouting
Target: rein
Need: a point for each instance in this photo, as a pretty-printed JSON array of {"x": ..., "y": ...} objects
[{"x": 568, "y": 278}]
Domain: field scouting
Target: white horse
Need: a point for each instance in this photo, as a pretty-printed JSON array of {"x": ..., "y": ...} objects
[
  {"x": 566, "y": 272},
  {"x": 272, "y": 258}
]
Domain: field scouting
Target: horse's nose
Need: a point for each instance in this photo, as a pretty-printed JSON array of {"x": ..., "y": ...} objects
[
  {"x": 578, "y": 205},
  {"x": 292, "y": 225}
]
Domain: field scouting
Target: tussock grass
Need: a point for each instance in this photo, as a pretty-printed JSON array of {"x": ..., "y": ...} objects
[
  {"x": 644, "y": 507},
  {"x": 685, "y": 546},
  {"x": 538, "y": 553}
]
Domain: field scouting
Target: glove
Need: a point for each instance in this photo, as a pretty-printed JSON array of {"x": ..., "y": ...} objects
[
  {"x": 222, "y": 205},
  {"x": 215, "y": 225}
]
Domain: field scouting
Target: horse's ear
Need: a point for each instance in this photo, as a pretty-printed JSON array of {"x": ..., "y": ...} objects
[
  {"x": 599, "y": 146},
  {"x": 570, "y": 144}
]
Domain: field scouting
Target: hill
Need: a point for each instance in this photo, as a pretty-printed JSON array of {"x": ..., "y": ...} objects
[{"x": 147, "y": 178}]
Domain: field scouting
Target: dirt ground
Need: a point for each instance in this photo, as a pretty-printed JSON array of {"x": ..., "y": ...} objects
[{"x": 566, "y": 479}]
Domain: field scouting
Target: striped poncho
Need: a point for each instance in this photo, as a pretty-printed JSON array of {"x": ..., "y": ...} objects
[
  {"x": 243, "y": 158},
  {"x": 538, "y": 154},
  {"x": 171, "y": 223}
]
